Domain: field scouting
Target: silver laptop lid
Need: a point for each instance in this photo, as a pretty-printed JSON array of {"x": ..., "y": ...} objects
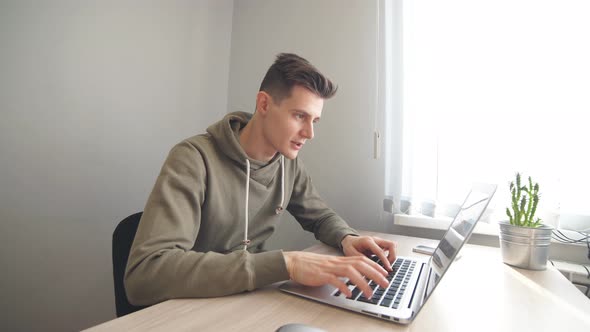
[{"x": 457, "y": 234}]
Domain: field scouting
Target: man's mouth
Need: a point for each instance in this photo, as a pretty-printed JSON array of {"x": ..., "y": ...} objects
[{"x": 297, "y": 145}]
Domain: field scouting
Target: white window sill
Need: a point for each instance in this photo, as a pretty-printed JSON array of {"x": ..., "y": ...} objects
[
  {"x": 442, "y": 224},
  {"x": 488, "y": 234}
]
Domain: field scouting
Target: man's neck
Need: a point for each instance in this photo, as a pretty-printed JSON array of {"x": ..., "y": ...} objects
[{"x": 252, "y": 141}]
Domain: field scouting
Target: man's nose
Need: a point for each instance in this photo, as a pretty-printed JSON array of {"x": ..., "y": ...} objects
[{"x": 307, "y": 131}]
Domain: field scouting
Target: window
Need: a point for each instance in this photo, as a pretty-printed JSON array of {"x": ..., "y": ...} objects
[{"x": 480, "y": 90}]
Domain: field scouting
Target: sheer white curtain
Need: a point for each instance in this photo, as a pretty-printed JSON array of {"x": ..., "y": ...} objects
[{"x": 488, "y": 89}]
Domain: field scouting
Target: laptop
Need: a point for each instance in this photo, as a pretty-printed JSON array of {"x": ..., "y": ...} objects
[{"x": 413, "y": 279}]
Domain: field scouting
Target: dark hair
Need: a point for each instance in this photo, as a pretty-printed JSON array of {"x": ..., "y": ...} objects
[{"x": 289, "y": 70}]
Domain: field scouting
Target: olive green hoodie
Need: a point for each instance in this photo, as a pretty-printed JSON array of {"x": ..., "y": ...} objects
[{"x": 190, "y": 240}]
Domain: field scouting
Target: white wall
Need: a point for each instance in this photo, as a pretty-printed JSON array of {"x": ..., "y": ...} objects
[
  {"x": 339, "y": 37},
  {"x": 93, "y": 95}
]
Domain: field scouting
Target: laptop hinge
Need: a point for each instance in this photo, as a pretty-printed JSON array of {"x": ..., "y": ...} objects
[{"x": 416, "y": 288}]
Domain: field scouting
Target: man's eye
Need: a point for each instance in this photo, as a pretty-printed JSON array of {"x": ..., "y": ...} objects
[{"x": 299, "y": 116}]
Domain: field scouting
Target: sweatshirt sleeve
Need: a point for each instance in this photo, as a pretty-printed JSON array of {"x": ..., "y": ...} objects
[
  {"x": 312, "y": 212},
  {"x": 161, "y": 263}
]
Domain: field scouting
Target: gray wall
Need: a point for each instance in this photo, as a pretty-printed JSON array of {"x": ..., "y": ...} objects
[
  {"x": 339, "y": 37},
  {"x": 93, "y": 95}
]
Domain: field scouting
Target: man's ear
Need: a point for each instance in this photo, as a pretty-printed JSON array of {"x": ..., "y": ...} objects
[{"x": 263, "y": 100}]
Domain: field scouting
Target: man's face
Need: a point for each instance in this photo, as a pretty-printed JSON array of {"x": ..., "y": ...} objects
[{"x": 289, "y": 124}]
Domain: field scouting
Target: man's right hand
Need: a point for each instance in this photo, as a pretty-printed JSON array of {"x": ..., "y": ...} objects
[{"x": 316, "y": 270}]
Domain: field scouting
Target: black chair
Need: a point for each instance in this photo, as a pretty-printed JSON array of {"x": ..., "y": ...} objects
[{"x": 122, "y": 239}]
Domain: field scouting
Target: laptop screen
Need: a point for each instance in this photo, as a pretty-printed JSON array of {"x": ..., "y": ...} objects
[{"x": 458, "y": 233}]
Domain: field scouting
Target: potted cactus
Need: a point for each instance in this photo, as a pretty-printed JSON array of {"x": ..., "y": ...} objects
[{"x": 524, "y": 239}]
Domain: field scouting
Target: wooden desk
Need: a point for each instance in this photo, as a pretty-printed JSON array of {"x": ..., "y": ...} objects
[{"x": 494, "y": 297}]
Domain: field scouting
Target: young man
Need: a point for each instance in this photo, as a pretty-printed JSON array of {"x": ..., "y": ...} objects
[{"x": 220, "y": 195}]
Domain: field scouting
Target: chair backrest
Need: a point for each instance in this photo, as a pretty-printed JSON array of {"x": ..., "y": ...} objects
[{"x": 122, "y": 240}]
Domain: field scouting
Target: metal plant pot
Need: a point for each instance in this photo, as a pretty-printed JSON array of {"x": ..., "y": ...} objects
[{"x": 525, "y": 247}]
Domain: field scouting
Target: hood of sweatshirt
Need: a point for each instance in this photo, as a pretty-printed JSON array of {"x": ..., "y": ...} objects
[{"x": 226, "y": 135}]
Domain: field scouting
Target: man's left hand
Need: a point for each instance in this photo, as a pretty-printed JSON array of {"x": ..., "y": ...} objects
[{"x": 368, "y": 245}]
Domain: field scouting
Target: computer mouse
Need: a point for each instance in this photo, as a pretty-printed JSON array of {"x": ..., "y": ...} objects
[{"x": 296, "y": 327}]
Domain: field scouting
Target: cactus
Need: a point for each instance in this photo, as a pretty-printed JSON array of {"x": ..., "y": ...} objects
[{"x": 524, "y": 203}]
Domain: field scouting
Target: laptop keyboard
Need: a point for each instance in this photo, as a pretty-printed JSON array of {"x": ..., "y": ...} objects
[{"x": 391, "y": 296}]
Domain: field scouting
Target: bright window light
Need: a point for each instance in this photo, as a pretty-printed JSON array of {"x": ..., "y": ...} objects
[{"x": 490, "y": 88}]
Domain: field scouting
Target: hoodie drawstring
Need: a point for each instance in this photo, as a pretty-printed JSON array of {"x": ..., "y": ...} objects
[
  {"x": 280, "y": 207},
  {"x": 246, "y": 241}
]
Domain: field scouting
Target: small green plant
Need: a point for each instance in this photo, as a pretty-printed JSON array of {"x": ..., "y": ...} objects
[{"x": 524, "y": 203}]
